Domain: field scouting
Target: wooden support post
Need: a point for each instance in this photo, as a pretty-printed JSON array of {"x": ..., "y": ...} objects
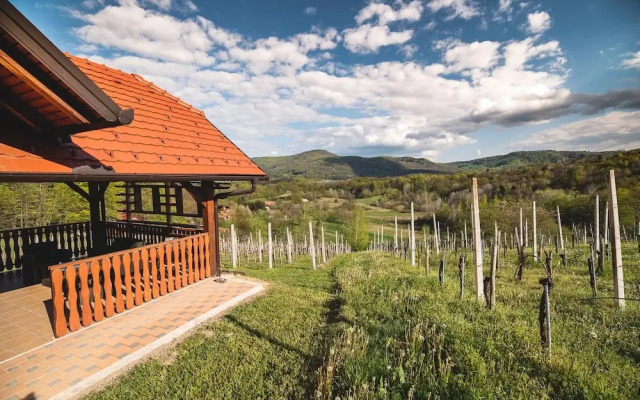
[
  {"x": 234, "y": 248},
  {"x": 596, "y": 225},
  {"x": 312, "y": 247},
  {"x": 210, "y": 225},
  {"x": 413, "y": 238},
  {"x": 477, "y": 245},
  {"x": 535, "y": 232},
  {"x": 616, "y": 250},
  {"x": 96, "y": 212},
  {"x": 269, "y": 245}
]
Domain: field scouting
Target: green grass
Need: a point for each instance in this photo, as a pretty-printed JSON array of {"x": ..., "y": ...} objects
[{"x": 369, "y": 326}]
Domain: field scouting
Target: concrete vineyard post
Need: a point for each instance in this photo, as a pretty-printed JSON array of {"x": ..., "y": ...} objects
[
  {"x": 477, "y": 245},
  {"x": 395, "y": 238},
  {"x": 521, "y": 228},
  {"x": 234, "y": 249},
  {"x": 561, "y": 238},
  {"x": 270, "y": 246},
  {"x": 289, "y": 247},
  {"x": 312, "y": 247},
  {"x": 324, "y": 253},
  {"x": 596, "y": 224},
  {"x": 616, "y": 250},
  {"x": 436, "y": 239}
]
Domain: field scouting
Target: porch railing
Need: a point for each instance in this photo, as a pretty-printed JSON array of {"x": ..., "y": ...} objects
[
  {"x": 74, "y": 236},
  {"x": 146, "y": 232},
  {"x": 95, "y": 288}
]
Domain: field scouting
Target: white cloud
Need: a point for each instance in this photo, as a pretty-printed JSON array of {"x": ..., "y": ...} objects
[
  {"x": 386, "y": 14},
  {"x": 538, "y": 22},
  {"x": 310, "y": 11},
  {"x": 504, "y": 6},
  {"x": 293, "y": 89},
  {"x": 632, "y": 60},
  {"x": 610, "y": 131},
  {"x": 465, "y": 9},
  {"x": 369, "y": 38}
]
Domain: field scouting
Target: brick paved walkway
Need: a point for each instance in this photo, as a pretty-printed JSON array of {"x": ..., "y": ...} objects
[{"x": 64, "y": 367}]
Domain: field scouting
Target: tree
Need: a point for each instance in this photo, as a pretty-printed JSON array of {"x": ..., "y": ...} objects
[{"x": 356, "y": 231}]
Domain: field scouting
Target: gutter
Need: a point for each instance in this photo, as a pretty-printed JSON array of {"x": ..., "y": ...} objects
[{"x": 224, "y": 195}]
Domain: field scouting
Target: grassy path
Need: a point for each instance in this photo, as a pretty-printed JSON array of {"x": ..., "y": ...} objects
[
  {"x": 267, "y": 349},
  {"x": 371, "y": 327}
]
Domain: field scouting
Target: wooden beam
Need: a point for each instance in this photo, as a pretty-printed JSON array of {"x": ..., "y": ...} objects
[
  {"x": 78, "y": 190},
  {"x": 24, "y": 75}
]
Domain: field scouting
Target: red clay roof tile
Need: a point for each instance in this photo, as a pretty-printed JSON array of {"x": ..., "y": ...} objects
[{"x": 166, "y": 137}]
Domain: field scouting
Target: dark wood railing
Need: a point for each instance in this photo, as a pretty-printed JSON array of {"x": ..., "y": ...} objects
[
  {"x": 75, "y": 237},
  {"x": 89, "y": 290},
  {"x": 147, "y": 233}
]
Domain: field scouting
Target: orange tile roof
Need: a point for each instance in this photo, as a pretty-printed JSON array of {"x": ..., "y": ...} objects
[{"x": 166, "y": 137}]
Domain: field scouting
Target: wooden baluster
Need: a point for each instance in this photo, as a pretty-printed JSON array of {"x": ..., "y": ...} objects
[
  {"x": 81, "y": 236},
  {"x": 108, "y": 289},
  {"x": 183, "y": 264},
  {"x": 57, "y": 298},
  {"x": 208, "y": 267},
  {"x": 98, "y": 309},
  {"x": 87, "y": 314},
  {"x": 117, "y": 283},
  {"x": 137, "y": 296},
  {"x": 195, "y": 248},
  {"x": 69, "y": 242},
  {"x": 144, "y": 258},
  {"x": 177, "y": 282},
  {"x": 2, "y": 256},
  {"x": 153, "y": 256},
  {"x": 201, "y": 256},
  {"x": 167, "y": 254},
  {"x": 162, "y": 270},
  {"x": 127, "y": 265},
  {"x": 7, "y": 247},
  {"x": 189, "y": 260},
  {"x": 74, "y": 317},
  {"x": 16, "y": 249}
]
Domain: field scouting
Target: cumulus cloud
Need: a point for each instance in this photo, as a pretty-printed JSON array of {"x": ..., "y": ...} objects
[
  {"x": 613, "y": 130},
  {"x": 465, "y": 9},
  {"x": 538, "y": 22},
  {"x": 292, "y": 88},
  {"x": 310, "y": 11},
  {"x": 369, "y": 38},
  {"x": 632, "y": 60}
]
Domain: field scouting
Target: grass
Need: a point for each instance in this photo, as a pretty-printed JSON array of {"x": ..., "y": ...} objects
[{"x": 370, "y": 326}]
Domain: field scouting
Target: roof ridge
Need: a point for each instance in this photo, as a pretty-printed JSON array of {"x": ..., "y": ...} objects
[{"x": 165, "y": 93}]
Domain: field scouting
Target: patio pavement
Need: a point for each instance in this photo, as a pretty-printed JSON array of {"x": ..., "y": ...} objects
[{"x": 68, "y": 366}]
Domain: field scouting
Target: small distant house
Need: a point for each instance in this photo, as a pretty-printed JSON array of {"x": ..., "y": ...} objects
[{"x": 68, "y": 119}]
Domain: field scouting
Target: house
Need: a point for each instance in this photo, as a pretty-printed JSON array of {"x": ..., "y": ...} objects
[{"x": 68, "y": 119}]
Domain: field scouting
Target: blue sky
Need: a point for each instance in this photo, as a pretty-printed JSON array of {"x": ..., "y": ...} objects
[{"x": 443, "y": 79}]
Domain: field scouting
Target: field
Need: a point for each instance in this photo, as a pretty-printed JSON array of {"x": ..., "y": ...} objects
[{"x": 368, "y": 325}]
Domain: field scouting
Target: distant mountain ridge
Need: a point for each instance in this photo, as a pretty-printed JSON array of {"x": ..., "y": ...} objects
[{"x": 321, "y": 164}]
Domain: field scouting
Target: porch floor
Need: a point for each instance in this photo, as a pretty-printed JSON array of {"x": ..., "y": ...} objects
[{"x": 67, "y": 366}]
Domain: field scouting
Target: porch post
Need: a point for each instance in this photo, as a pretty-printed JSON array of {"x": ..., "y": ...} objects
[
  {"x": 97, "y": 213},
  {"x": 210, "y": 225}
]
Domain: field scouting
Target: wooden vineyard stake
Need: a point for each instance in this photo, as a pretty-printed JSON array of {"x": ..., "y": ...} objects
[
  {"x": 269, "y": 246},
  {"x": 312, "y": 247},
  {"x": 616, "y": 250},
  {"x": 477, "y": 241},
  {"x": 413, "y": 238}
]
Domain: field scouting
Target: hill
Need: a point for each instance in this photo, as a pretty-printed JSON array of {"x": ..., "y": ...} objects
[{"x": 321, "y": 164}]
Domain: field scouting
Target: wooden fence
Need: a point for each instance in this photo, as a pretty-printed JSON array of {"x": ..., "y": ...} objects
[
  {"x": 89, "y": 290},
  {"x": 146, "y": 232},
  {"x": 75, "y": 237}
]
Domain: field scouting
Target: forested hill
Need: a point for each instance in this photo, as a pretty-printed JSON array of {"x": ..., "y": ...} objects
[{"x": 321, "y": 164}]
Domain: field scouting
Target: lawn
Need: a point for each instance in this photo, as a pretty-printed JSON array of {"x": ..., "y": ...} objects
[{"x": 370, "y": 326}]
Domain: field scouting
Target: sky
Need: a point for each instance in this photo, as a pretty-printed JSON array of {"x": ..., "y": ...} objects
[{"x": 447, "y": 80}]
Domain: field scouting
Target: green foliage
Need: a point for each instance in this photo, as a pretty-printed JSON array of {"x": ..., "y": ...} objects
[{"x": 356, "y": 231}]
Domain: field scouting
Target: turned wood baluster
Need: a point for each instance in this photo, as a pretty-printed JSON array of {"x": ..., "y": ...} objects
[
  {"x": 168, "y": 249},
  {"x": 57, "y": 298},
  {"x": 72, "y": 298},
  {"x": 153, "y": 256},
  {"x": 144, "y": 258},
  {"x": 117, "y": 283},
  {"x": 136, "y": 278},
  {"x": 87, "y": 314},
  {"x": 127, "y": 265},
  {"x": 209, "y": 267},
  {"x": 183, "y": 264},
  {"x": 201, "y": 256},
  {"x": 98, "y": 309},
  {"x": 195, "y": 249},
  {"x": 162, "y": 270},
  {"x": 177, "y": 282},
  {"x": 108, "y": 290},
  {"x": 189, "y": 260}
]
